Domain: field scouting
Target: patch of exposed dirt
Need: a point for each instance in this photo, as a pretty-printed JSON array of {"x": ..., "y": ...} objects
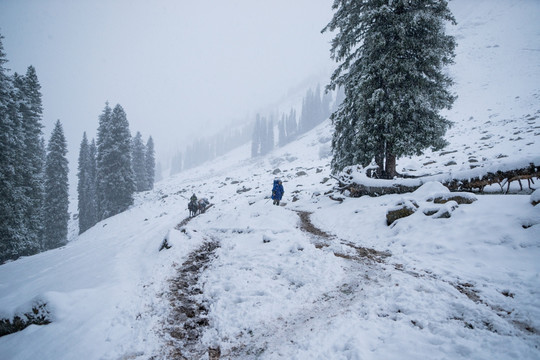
[
  {"x": 362, "y": 253},
  {"x": 307, "y": 226},
  {"x": 369, "y": 253},
  {"x": 188, "y": 316},
  {"x": 188, "y": 219}
]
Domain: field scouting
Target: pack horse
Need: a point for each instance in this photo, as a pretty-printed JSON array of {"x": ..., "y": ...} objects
[{"x": 198, "y": 206}]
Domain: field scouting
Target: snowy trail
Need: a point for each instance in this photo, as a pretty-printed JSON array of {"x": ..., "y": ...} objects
[{"x": 259, "y": 307}]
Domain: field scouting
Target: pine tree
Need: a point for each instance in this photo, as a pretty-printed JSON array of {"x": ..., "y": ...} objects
[
  {"x": 312, "y": 110},
  {"x": 256, "y": 139},
  {"x": 176, "y": 163},
  {"x": 305, "y": 114},
  {"x": 11, "y": 213},
  {"x": 291, "y": 126},
  {"x": 270, "y": 136},
  {"x": 138, "y": 163},
  {"x": 82, "y": 174},
  {"x": 21, "y": 163},
  {"x": 56, "y": 204},
  {"x": 281, "y": 131},
  {"x": 392, "y": 57},
  {"x": 86, "y": 186},
  {"x": 92, "y": 209},
  {"x": 158, "y": 172},
  {"x": 150, "y": 163},
  {"x": 31, "y": 110},
  {"x": 263, "y": 136},
  {"x": 104, "y": 144},
  {"x": 115, "y": 184}
]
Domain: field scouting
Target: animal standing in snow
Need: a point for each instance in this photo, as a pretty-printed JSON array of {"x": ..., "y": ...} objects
[
  {"x": 277, "y": 191},
  {"x": 202, "y": 205},
  {"x": 197, "y": 206},
  {"x": 193, "y": 206}
]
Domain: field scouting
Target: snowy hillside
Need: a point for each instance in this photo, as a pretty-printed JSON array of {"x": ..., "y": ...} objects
[{"x": 316, "y": 278}]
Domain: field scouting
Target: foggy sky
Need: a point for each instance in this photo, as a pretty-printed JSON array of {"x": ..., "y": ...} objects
[{"x": 181, "y": 69}]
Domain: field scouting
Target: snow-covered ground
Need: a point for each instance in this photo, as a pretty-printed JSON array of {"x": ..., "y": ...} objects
[{"x": 464, "y": 287}]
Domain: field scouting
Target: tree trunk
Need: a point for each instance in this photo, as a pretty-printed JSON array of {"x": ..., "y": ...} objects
[
  {"x": 390, "y": 165},
  {"x": 379, "y": 160}
]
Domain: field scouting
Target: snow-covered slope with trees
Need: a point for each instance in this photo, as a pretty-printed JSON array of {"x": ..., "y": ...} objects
[{"x": 316, "y": 278}]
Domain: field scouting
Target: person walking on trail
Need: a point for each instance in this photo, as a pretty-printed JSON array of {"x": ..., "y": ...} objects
[{"x": 277, "y": 191}]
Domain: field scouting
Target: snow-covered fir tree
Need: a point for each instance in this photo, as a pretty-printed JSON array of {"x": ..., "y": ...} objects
[
  {"x": 115, "y": 180},
  {"x": 82, "y": 194},
  {"x": 21, "y": 163},
  {"x": 86, "y": 186},
  {"x": 392, "y": 56},
  {"x": 92, "y": 210},
  {"x": 150, "y": 163},
  {"x": 263, "y": 136},
  {"x": 291, "y": 125},
  {"x": 11, "y": 233},
  {"x": 176, "y": 163},
  {"x": 282, "y": 134},
  {"x": 103, "y": 146},
  {"x": 31, "y": 110},
  {"x": 256, "y": 138},
  {"x": 269, "y": 136},
  {"x": 56, "y": 198},
  {"x": 313, "y": 110},
  {"x": 159, "y": 172},
  {"x": 138, "y": 163}
]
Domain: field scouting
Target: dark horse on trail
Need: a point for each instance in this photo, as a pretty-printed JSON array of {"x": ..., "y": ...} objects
[{"x": 198, "y": 207}]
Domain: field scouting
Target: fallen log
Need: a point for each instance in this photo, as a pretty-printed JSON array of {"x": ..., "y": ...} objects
[{"x": 378, "y": 187}]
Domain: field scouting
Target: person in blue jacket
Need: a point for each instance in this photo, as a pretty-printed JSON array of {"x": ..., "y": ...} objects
[{"x": 277, "y": 191}]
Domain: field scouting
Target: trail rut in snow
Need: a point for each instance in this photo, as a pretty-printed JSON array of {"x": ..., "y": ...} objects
[
  {"x": 189, "y": 218},
  {"x": 361, "y": 252},
  {"x": 188, "y": 316}
]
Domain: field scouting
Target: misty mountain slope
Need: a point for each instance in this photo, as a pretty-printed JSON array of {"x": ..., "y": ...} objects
[{"x": 459, "y": 287}]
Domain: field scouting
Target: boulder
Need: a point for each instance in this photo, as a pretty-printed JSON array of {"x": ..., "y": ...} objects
[
  {"x": 404, "y": 208},
  {"x": 460, "y": 198}
]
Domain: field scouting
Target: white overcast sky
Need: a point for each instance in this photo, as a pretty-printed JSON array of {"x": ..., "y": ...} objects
[{"x": 179, "y": 68}]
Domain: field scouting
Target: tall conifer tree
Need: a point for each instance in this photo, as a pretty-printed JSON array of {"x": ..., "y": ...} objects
[
  {"x": 103, "y": 145},
  {"x": 92, "y": 210},
  {"x": 19, "y": 232},
  {"x": 256, "y": 138},
  {"x": 10, "y": 217},
  {"x": 86, "y": 186},
  {"x": 150, "y": 163},
  {"x": 31, "y": 109},
  {"x": 56, "y": 204},
  {"x": 115, "y": 184},
  {"x": 270, "y": 139},
  {"x": 138, "y": 163},
  {"x": 82, "y": 174},
  {"x": 392, "y": 56}
]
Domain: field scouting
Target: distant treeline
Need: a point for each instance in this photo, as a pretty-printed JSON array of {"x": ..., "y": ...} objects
[{"x": 316, "y": 107}]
